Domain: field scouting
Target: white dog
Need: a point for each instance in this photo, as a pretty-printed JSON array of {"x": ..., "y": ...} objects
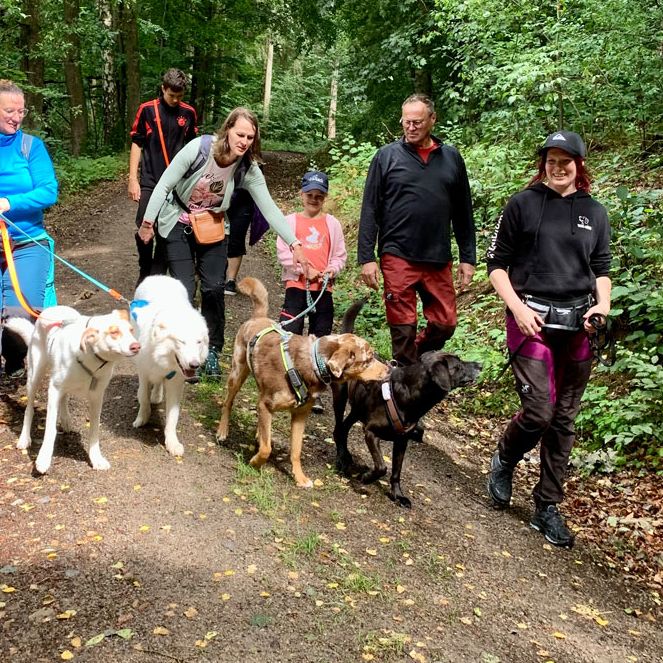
[
  {"x": 174, "y": 343},
  {"x": 81, "y": 353}
]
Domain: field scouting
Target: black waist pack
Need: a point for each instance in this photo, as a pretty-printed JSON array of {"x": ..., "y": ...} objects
[{"x": 564, "y": 316}]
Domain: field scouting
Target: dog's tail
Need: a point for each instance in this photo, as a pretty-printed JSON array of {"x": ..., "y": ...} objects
[
  {"x": 348, "y": 323},
  {"x": 254, "y": 289},
  {"x": 21, "y": 327}
]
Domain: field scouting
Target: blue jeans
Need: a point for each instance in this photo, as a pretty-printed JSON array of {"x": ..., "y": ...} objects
[{"x": 32, "y": 268}]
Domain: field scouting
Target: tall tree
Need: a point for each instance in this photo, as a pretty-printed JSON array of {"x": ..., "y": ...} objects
[
  {"x": 33, "y": 61},
  {"x": 73, "y": 77}
]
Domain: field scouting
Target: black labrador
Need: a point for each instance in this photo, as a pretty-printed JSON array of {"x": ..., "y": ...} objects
[{"x": 413, "y": 391}]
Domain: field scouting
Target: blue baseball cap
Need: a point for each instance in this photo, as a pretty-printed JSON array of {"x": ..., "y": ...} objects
[{"x": 315, "y": 179}]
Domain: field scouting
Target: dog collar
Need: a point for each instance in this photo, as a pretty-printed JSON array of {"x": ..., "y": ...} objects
[
  {"x": 319, "y": 364},
  {"x": 393, "y": 415},
  {"x": 135, "y": 305}
]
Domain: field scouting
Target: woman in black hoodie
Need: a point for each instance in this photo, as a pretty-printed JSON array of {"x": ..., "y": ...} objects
[{"x": 549, "y": 261}]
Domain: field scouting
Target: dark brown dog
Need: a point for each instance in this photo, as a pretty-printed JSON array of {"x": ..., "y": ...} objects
[
  {"x": 414, "y": 389},
  {"x": 344, "y": 357}
]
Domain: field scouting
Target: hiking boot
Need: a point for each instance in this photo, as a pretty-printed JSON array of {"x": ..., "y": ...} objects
[
  {"x": 231, "y": 288},
  {"x": 500, "y": 482},
  {"x": 318, "y": 407},
  {"x": 549, "y": 521},
  {"x": 212, "y": 370}
]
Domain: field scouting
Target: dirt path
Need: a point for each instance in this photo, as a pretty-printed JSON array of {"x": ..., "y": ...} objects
[{"x": 200, "y": 559}]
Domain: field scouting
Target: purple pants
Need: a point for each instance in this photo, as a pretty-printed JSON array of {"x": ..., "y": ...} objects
[{"x": 551, "y": 371}]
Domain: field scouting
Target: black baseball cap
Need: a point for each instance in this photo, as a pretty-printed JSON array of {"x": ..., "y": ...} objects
[
  {"x": 315, "y": 179},
  {"x": 569, "y": 141}
]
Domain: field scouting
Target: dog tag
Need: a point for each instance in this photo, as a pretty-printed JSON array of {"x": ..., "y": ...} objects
[{"x": 386, "y": 391}]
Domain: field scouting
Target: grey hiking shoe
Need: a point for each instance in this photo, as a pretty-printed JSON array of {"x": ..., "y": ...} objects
[
  {"x": 500, "y": 482},
  {"x": 549, "y": 521},
  {"x": 318, "y": 407}
]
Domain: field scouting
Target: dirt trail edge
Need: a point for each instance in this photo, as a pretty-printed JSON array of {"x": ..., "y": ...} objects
[{"x": 199, "y": 559}]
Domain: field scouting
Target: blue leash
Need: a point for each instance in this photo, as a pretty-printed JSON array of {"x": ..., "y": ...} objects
[
  {"x": 309, "y": 301},
  {"x": 113, "y": 293}
]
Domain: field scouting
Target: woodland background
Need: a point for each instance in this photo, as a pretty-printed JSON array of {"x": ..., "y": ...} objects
[{"x": 328, "y": 78}]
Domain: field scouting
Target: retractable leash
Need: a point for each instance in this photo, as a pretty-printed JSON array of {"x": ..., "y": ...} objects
[
  {"x": 602, "y": 340},
  {"x": 7, "y": 248}
]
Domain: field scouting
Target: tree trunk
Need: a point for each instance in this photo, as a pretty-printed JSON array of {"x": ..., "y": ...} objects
[
  {"x": 267, "y": 97},
  {"x": 131, "y": 68},
  {"x": 32, "y": 65},
  {"x": 423, "y": 81},
  {"x": 73, "y": 77},
  {"x": 108, "y": 86},
  {"x": 333, "y": 99}
]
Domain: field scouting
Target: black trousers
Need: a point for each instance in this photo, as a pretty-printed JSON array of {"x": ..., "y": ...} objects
[
  {"x": 320, "y": 321},
  {"x": 151, "y": 256},
  {"x": 186, "y": 258},
  {"x": 240, "y": 215}
]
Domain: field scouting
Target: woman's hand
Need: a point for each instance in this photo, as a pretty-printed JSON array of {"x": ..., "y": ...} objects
[
  {"x": 300, "y": 259},
  {"x": 529, "y": 322},
  {"x": 597, "y": 309},
  {"x": 146, "y": 231},
  {"x": 4, "y": 205}
]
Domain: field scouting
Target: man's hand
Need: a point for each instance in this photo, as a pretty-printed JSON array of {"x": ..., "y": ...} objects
[
  {"x": 464, "y": 275},
  {"x": 134, "y": 189},
  {"x": 370, "y": 275},
  {"x": 300, "y": 259}
]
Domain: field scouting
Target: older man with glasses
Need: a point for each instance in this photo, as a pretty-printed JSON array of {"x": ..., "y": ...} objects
[{"x": 416, "y": 193}]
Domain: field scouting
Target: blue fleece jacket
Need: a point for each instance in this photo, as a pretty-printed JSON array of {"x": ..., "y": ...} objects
[{"x": 28, "y": 184}]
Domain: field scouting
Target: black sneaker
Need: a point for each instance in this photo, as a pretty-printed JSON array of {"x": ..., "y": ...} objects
[
  {"x": 549, "y": 521},
  {"x": 231, "y": 288},
  {"x": 500, "y": 482},
  {"x": 318, "y": 407},
  {"x": 212, "y": 369}
]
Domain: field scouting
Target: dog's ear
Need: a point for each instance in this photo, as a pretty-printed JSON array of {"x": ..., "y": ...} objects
[
  {"x": 158, "y": 331},
  {"x": 440, "y": 371},
  {"x": 123, "y": 314},
  {"x": 338, "y": 362},
  {"x": 88, "y": 339}
]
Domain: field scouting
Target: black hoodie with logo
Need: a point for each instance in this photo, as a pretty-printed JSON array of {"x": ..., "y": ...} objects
[{"x": 551, "y": 246}]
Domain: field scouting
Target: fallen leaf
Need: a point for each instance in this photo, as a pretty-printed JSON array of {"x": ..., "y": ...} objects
[
  {"x": 125, "y": 633},
  {"x": 340, "y": 526},
  {"x": 400, "y": 589},
  {"x": 210, "y": 635},
  {"x": 251, "y": 569},
  {"x": 466, "y": 620},
  {"x": 190, "y": 613},
  {"x": 417, "y": 656},
  {"x": 7, "y": 589},
  {"x": 144, "y": 528},
  {"x": 160, "y": 630},
  {"x": 371, "y": 551},
  {"x": 100, "y": 500},
  {"x": 66, "y": 655},
  {"x": 225, "y": 596},
  {"x": 67, "y": 614},
  {"x": 559, "y": 636},
  {"x": 95, "y": 640},
  {"x": 76, "y": 642}
]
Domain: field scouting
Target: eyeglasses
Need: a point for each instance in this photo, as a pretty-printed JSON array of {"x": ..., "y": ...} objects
[
  {"x": 412, "y": 123},
  {"x": 21, "y": 112}
]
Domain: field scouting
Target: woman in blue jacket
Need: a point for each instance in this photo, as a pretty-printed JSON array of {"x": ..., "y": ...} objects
[
  {"x": 27, "y": 187},
  {"x": 549, "y": 261}
]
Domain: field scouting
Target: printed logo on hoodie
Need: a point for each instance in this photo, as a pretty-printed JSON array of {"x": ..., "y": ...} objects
[{"x": 583, "y": 222}]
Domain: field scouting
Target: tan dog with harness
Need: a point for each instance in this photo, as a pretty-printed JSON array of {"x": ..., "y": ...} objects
[{"x": 290, "y": 370}]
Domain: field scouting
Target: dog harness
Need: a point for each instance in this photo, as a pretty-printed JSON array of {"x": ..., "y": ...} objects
[
  {"x": 393, "y": 415},
  {"x": 295, "y": 381}
]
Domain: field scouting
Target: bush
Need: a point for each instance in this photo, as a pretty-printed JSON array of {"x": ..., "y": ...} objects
[{"x": 76, "y": 174}]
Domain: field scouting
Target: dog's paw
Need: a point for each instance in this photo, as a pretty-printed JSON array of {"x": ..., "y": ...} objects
[
  {"x": 174, "y": 447},
  {"x": 24, "y": 442},
  {"x": 399, "y": 499},
  {"x": 140, "y": 420},
  {"x": 100, "y": 463},
  {"x": 42, "y": 466},
  {"x": 65, "y": 425},
  {"x": 305, "y": 482}
]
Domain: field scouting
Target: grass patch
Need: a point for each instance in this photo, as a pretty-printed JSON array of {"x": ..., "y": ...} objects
[
  {"x": 302, "y": 547},
  {"x": 257, "y": 486},
  {"x": 385, "y": 642}
]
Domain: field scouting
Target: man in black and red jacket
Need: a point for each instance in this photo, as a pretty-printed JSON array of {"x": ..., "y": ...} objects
[
  {"x": 417, "y": 192},
  {"x": 162, "y": 127}
]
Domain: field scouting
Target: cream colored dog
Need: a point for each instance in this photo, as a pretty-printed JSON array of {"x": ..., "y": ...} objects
[
  {"x": 81, "y": 353},
  {"x": 174, "y": 343}
]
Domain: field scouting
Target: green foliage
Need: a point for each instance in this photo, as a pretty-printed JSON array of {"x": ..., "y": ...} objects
[{"x": 76, "y": 174}]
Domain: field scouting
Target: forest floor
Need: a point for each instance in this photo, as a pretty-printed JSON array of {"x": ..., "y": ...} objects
[{"x": 202, "y": 559}]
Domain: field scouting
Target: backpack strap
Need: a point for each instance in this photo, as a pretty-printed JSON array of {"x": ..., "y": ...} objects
[
  {"x": 202, "y": 156},
  {"x": 26, "y": 145}
]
